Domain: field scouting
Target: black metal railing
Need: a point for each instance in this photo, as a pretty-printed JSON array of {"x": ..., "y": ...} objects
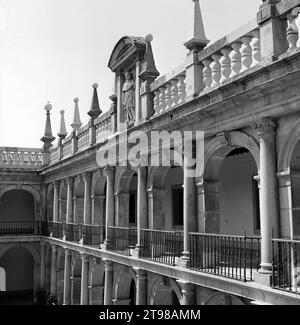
[
  {"x": 286, "y": 265},
  {"x": 121, "y": 240},
  {"x": 93, "y": 234},
  {"x": 55, "y": 229},
  {"x": 20, "y": 228},
  {"x": 235, "y": 257},
  {"x": 72, "y": 232},
  {"x": 161, "y": 246}
]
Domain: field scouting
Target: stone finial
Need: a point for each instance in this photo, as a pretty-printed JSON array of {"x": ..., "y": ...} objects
[
  {"x": 196, "y": 37},
  {"x": 48, "y": 138},
  {"x": 149, "y": 68},
  {"x": 95, "y": 110},
  {"x": 76, "y": 120},
  {"x": 62, "y": 130}
]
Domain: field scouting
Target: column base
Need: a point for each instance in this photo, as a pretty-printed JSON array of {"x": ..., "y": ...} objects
[
  {"x": 184, "y": 262},
  {"x": 263, "y": 278},
  {"x": 136, "y": 252}
]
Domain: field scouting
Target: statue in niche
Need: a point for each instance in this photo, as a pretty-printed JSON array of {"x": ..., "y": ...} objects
[{"x": 128, "y": 91}]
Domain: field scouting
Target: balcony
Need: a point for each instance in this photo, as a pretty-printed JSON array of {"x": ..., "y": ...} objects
[{"x": 20, "y": 228}]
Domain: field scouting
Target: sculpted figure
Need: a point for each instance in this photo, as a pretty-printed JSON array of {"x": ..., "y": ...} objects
[{"x": 129, "y": 97}]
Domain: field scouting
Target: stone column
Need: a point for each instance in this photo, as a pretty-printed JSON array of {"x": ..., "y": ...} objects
[
  {"x": 69, "y": 213},
  {"x": 87, "y": 177},
  {"x": 188, "y": 291},
  {"x": 286, "y": 204},
  {"x": 108, "y": 284},
  {"x": 84, "y": 298},
  {"x": 53, "y": 289},
  {"x": 56, "y": 201},
  {"x": 43, "y": 267},
  {"x": 142, "y": 206},
  {"x": 110, "y": 201},
  {"x": 268, "y": 195},
  {"x": 67, "y": 277},
  {"x": 208, "y": 194},
  {"x": 189, "y": 204},
  {"x": 141, "y": 287}
]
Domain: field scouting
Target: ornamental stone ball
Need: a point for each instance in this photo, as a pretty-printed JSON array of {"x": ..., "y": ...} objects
[
  {"x": 149, "y": 38},
  {"x": 48, "y": 107}
]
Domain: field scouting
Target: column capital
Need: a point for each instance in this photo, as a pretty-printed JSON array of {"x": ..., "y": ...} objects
[
  {"x": 264, "y": 127},
  {"x": 109, "y": 171},
  {"x": 68, "y": 252},
  {"x": 87, "y": 176},
  {"x": 108, "y": 265},
  {"x": 84, "y": 257},
  {"x": 54, "y": 248},
  {"x": 69, "y": 181},
  {"x": 55, "y": 184},
  {"x": 140, "y": 273},
  {"x": 186, "y": 287}
]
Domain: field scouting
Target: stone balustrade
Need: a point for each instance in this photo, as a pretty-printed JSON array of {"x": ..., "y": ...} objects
[
  {"x": 54, "y": 154},
  {"x": 28, "y": 158},
  {"x": 83, "y": 137},
  {"x": 67, "y": 146},
  {"x": 169, "y": 90},
  {"x": 103, "y": 125},
  {"x": 231, "y": 56},
  {"x": 292, "y": 32}
]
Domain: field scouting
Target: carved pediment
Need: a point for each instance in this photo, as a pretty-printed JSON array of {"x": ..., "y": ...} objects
[{"x": 126, "y": 52}]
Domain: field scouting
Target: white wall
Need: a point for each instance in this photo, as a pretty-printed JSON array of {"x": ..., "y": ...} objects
[{"x": 236, "y": 198}]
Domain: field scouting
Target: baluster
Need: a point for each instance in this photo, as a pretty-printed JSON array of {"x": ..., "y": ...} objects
[
  {"x": 216, "y": 70},
  {"x": 181, "y": 89},
  {"x": 236, "y": 59},
  {"x": 162, "y": 102},
  {"x": 174, "y": 92},
  {"x": 225, "y": 62},
  {"x": 168, "y": 98},
  {"x": 156, "y": 102},
  {"x": 292, "y": 31},
  {"x": 5, "y": 157},
  {"x": 246, "y": 53},
  {"x": 207, "y": 73},
  {"x": 256, "y": 56}
]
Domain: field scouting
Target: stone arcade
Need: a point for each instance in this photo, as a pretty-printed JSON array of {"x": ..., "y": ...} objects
[{"x": 152, "y": 235}]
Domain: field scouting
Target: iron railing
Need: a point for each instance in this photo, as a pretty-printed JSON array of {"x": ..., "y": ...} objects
[
  {"x": 286, "y": 265},
  {"x": 161, "y": 246},
  {"x": 93, "y": 234},
  {"x": 121, "y": 240},
  {"x": 235, "y": 257},
  {"x": 55, "y": 229},
  {"x": 20, "y": 228},
  {"x": 72, "y": 232}
]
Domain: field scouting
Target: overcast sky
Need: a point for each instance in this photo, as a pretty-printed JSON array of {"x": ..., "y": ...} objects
[{"x": 56, "y": 49}]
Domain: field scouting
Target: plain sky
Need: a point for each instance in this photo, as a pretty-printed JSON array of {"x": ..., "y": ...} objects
[{"x": 54, "y": 50}]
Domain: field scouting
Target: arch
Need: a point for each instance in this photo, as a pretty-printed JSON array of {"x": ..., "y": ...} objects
[
  {"x": 287, "y": 148},
  {"x": 96, "y": 179},
  {"x": 165, "y": 282},
  {"x": 123, "y": 178},
  {"x": 30, "y": 189},
  {"x": 25, "y": 210},
  {"x": 19, "y": 265},
  {"x": 122, "y": 282},
  {"x": 222, "y": 298},
  {"x": 29, "y": 247},
  {"x": 127, "y": 44},
  {"x": 218, "y": 148}
]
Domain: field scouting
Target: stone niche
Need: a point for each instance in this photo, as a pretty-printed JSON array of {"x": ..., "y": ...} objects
[{"x": 134, "y": 67}]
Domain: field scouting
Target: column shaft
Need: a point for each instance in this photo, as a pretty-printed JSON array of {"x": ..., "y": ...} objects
[
  {"x": 67, "y": 278},
  {"x": 53, "y": 289},
  {"x": 87, "y": 199},
  {"x": 56, "y": 202},
  {"x": 108, "y": 284},
  {"x": 84, "y": 298},
  {"x": 142, "y": 206},
  {"x": 69, "y": 213},
  {"x": 141, "y": 287}
]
